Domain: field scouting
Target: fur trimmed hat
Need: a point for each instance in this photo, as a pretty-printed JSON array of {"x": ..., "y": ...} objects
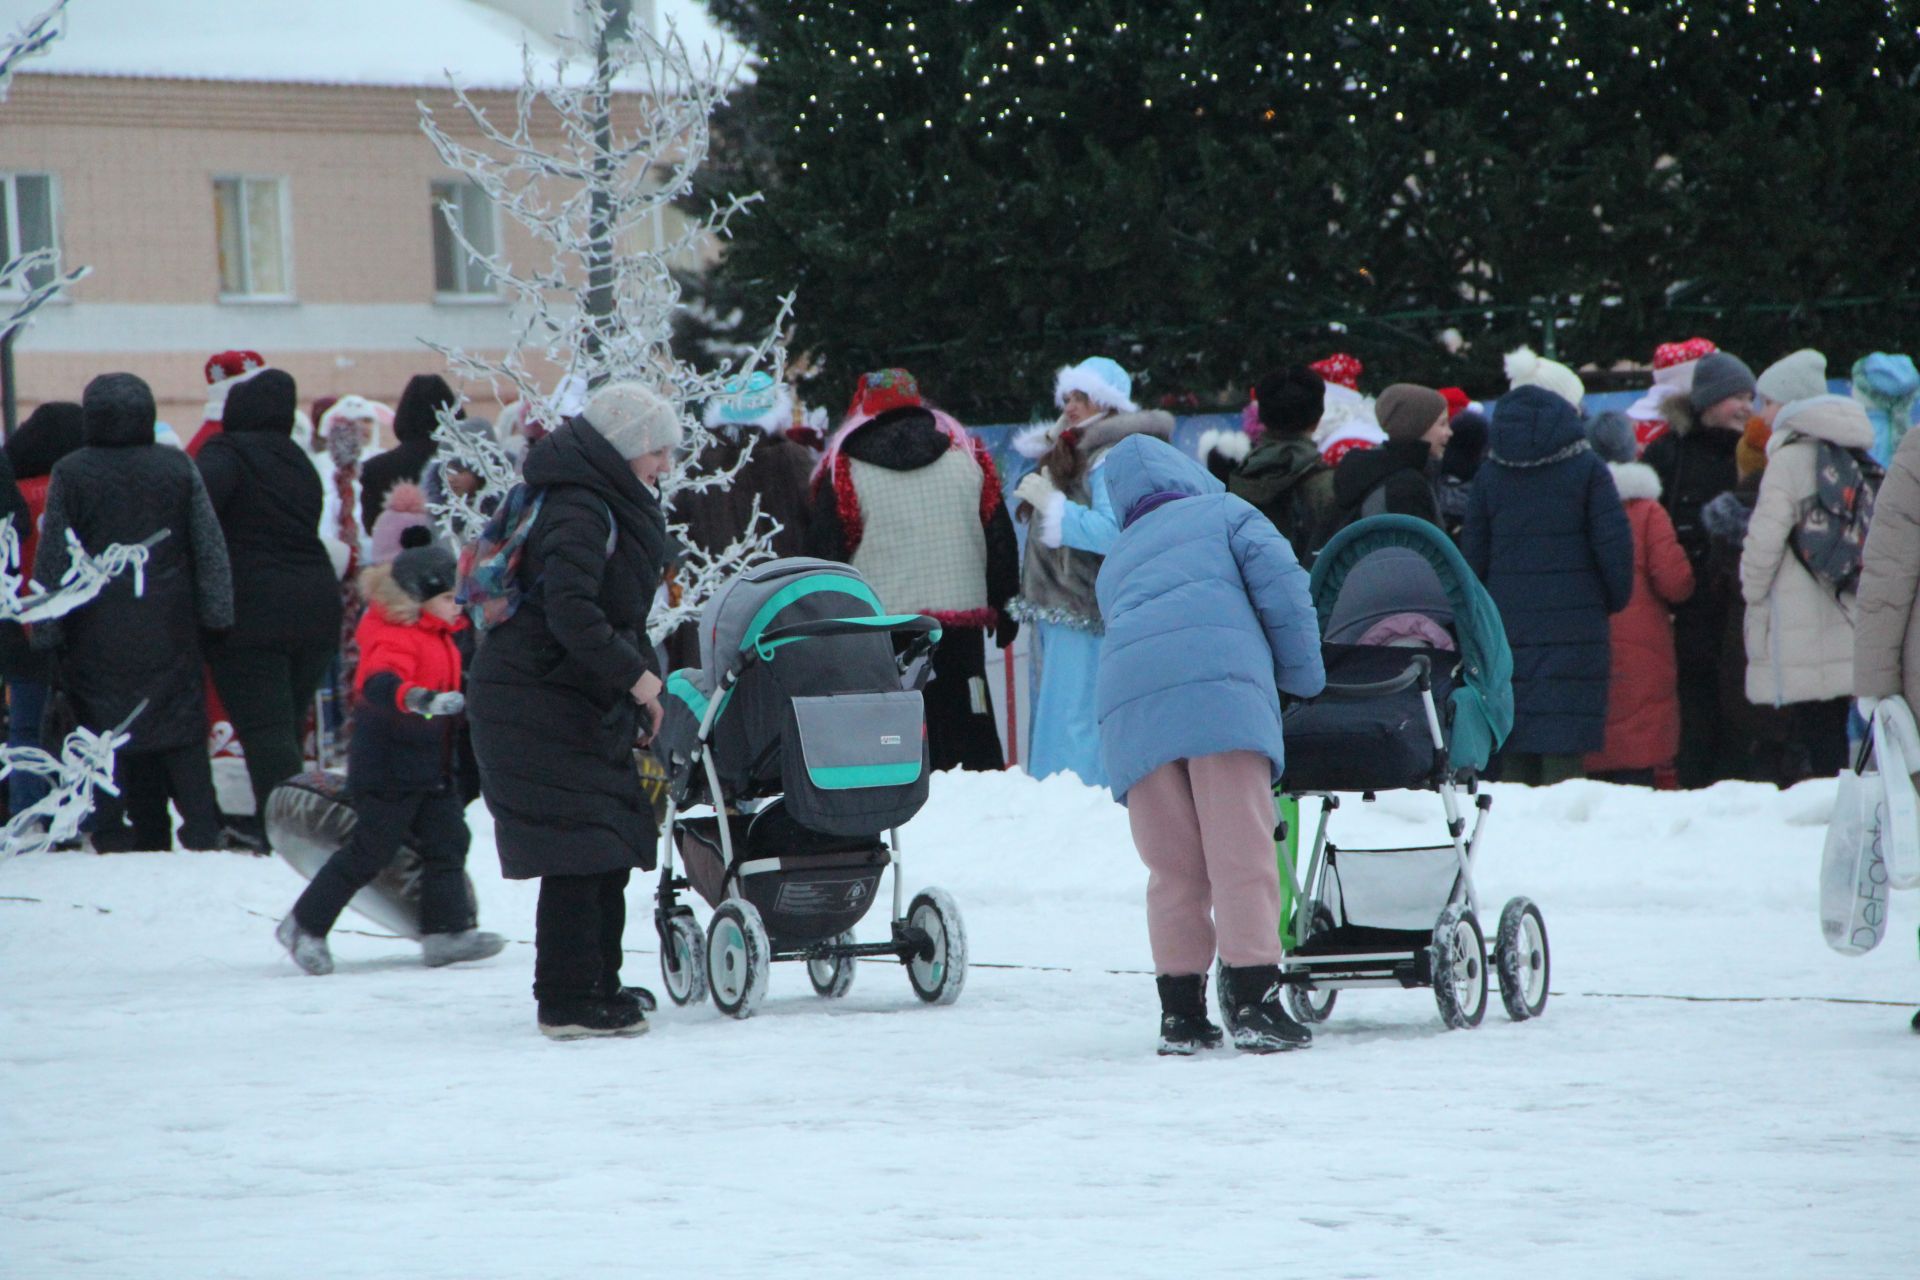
[
  {"x": 1098, "y": 379},
  {"x": 1526, "y": 368},
  {"x": 754, "y": 401}
]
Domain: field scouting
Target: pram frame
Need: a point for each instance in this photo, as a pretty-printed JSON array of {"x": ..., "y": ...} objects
[{"x": 1406, "y": 969}]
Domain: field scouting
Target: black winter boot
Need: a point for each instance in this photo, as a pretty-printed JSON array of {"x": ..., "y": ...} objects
[
  {"x": 1256, "y": 1017},
  {"x": 592, "y": 1016},
  {"x": 1184, "y": 1028}
]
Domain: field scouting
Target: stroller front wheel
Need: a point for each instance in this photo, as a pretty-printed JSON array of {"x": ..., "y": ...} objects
[
  {"x": 1459, "y": 965},
  {"x": 683, "y": 960},
  {"x": 833, "y": 975},
  {"x": 739, "y": 958},
  {"x": 937, "y": 970}
]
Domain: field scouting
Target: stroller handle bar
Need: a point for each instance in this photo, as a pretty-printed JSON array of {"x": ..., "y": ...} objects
[
  {"x": 925, "y": 629},
  {"x": 1419, "y": 671}
]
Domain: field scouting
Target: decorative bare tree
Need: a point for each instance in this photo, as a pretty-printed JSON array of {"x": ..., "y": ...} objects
[
  {"x": 84, "y": 765},
  {"x": 600, "y": 146},
  {"x": 33, "y": 279}
]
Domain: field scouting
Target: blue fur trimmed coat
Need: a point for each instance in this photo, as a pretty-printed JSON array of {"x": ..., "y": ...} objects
[
  {"x": 1548, "y": 535},
  {"x": 1208, "y": 620}
]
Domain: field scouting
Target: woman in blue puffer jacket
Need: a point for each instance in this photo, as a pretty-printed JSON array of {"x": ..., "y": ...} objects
[{"x": 1208, "y": 621}]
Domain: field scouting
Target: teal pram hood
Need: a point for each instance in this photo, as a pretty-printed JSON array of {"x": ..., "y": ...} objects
[{"x": 1483, "y": 704}]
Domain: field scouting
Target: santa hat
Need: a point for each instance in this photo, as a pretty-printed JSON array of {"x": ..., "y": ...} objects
[
  {"x": 1526, "y": 368},
  {"x": 1673, "y": 365},
  {"x": 1340, "y": 370},
  {"x": 1457, "y": 401},
  {"x": 223, "y": 370},
  {"x": 1100, "y": 380},
  {"x": 884, "y": 390},
  {"x": 754, "y": 401}
]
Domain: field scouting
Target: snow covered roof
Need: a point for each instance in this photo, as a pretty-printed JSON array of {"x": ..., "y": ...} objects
[{"x": 343, "y": 42}]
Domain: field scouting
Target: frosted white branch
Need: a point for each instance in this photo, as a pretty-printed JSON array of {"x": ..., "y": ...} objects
[
  {"x": 83, "y": 767},
  {"x": 461, "y": 517},
  {"x": 27, "y": 601},
  {"x": 29, "y": 40},
  {"x": 588, "y": 165}
]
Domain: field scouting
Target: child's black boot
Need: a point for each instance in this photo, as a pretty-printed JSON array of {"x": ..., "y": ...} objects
[
  {"x": 1257, "y": 1019},
  {"x": 1184, "y": 1028}
]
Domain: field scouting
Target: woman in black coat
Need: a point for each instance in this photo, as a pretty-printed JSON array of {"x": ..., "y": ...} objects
[
  {"x": 414, "y": 423},
  {"x": 561, "y": 692},
  {"x": 125, "y": 652},
  {"x": 286, "y": 597},
  {"x": 1548, "y": 536}
]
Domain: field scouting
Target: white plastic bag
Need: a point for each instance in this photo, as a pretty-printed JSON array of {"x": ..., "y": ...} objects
[
  {"x": 1853, "y": 870},
  {"x": 1896, "y": 752}
]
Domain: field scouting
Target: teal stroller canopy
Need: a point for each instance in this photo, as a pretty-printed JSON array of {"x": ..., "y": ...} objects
[{"x": 1483, "y": 703}]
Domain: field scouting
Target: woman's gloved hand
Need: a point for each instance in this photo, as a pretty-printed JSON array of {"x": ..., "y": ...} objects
[{"x": 1034, "y": 489}]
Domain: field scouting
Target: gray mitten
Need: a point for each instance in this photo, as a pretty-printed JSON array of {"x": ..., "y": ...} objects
[{"x": 425, "y": 702}]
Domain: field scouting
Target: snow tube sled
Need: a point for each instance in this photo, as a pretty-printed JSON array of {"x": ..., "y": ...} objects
[{"x": 311, "y": 816}]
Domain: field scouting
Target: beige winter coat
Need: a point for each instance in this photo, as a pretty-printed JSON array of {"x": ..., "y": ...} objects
[
  {"x": 1799, "y": 634},
  {"x": 1886, "y": 640}
]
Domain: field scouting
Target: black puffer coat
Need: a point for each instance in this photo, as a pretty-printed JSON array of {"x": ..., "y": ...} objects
[
  {"x": 1547, "y": 534},
  {"x": 267, "y": 494},
  {"x": 1400, "y": 470},
  {"x": 414, "y": 422},
  {"x": 547, "y": 699},
  {"x": 121, "y": 649}
]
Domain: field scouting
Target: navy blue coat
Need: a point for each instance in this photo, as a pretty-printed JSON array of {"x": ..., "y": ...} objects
[
  {"x": 1208, "y": 620},
  {"x": 1548, "y": 536}
]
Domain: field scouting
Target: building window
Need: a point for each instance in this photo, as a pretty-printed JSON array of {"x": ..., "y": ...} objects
[
  {"x": 250, "y": 219},
  {"x": 456, "y": 272},
  {"x": 26, "y": 220}
]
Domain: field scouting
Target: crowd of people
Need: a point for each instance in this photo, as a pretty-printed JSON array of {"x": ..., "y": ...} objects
[{"x": 1694, "y": 589}]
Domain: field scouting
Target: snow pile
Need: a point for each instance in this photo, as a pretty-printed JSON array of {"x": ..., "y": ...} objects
[{"x": 177, "y": 1099}]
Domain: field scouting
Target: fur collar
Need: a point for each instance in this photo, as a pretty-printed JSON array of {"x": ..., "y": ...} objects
[
  {"x": 1677, "y": 409},
  {"x": 379, "y": 588},
  {"x": 1635, "y": 480}
]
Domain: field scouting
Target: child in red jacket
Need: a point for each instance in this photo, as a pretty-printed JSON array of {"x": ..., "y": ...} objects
[{"x": 400, "y": 766}]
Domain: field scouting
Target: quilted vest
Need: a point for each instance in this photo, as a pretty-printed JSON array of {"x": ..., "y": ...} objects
[{"x": 922, "y": 547}]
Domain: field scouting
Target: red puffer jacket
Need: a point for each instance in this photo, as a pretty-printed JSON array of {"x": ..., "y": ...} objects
[
  {"x": 1643, "y": 700},
  {"x": 401, "y": 649}
]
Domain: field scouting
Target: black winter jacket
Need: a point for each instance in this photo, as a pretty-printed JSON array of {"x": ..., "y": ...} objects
[
  {"x": 1548, "y": 536},
  {"x": 267, "y": 494},
  {"x": 414, "y": 423},
  {"x": 553, "y": 724},
  {"x": 1695, "y": 464},
  {"x": 121, "y": 649},
  {"x": 1399, "y": 469}
]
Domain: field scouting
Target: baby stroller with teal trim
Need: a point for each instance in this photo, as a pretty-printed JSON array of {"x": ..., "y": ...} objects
[
  {"x": 794, "y": 753},
  {"x": 1418, "y": 697}
]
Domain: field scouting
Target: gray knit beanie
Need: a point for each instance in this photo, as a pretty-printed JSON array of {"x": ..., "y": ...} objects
[
  {"x": 1610, "y": 435},
  {"x": 633, "y": 418},
  {"x": 1716, "y": 377}
]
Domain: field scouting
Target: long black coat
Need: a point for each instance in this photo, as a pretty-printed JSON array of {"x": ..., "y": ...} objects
[
  {"x": 1547, "y": 535},
  {"x": 553, "y": 724},
  {"x": 120, "y": 648},
  {"x": 267, "y": 495}
]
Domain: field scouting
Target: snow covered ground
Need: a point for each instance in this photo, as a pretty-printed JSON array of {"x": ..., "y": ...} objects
[{"x": 177, "y": 1100}]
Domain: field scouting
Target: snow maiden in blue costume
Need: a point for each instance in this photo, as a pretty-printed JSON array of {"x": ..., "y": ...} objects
[{"x": 1072, "y": 524}]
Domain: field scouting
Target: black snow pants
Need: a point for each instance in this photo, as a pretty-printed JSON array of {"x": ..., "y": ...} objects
[
  {"x": 434, "y": 823},
  {"x": 577, "y": 930},
  {"x": 138, "y": 819},
  {"x": 961, "y": 732}
]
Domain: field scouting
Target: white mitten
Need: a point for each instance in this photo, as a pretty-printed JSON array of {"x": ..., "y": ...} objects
[{"x": 1034, "y": 489}]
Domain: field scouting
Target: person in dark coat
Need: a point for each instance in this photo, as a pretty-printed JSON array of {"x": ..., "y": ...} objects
[
  {"x": 1284, "y": 475},
  {"x": 906, "y": 497},
  {"x": 557, "y": 696},
  {"x": 414, "y": 423},
  {"x": 1695, "y": 462},
  {"x": 1548, "y": 536},
  {"x": 777, "y": 472},
  {"x": 50, "y": 433},
  {"x": 1397, "y": 477},
  {"x": 286, "y": 596},
  {"x": 126, "y": 651}
]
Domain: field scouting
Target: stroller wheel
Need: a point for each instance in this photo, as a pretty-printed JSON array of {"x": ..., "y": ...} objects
[
  {"x": 1526, "y": 966},
  {"x": 832, "y": 977},
  {"x": 738, "y": 958},
  {"x": 1459, "y": 965},
  {"x": 683, "y": 961},
  {"x": 938, "y": 972},
  {"x": 1310, "y": 1006}
]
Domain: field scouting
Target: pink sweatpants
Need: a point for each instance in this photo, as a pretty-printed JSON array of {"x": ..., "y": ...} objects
[{"x": 1204, "y": 827}]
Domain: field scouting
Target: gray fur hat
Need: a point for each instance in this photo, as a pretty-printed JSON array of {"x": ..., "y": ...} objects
[
  {"x": 1610, "y": 434},
  {"x": 633, "y": 418}
]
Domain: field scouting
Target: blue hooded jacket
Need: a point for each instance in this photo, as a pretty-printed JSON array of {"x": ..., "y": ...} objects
[
  {"x": 1208, "y": 620},
  {"x": 1548, "y": 536}
]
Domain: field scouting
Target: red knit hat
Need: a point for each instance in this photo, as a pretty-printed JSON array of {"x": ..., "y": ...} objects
[
  {"x": 1340, "y": 369},
  {"x": 882, "y": 390},
  {"x": 1457, "y": 400},
  {"x": 232, "y": 364},
  {"x": 1668, "y": 354}
]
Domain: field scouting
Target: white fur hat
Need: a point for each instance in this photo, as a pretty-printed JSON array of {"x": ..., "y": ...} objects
[
  {"x": 1100, "y": 380},
  {"x": 1527, "y": 369}
]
